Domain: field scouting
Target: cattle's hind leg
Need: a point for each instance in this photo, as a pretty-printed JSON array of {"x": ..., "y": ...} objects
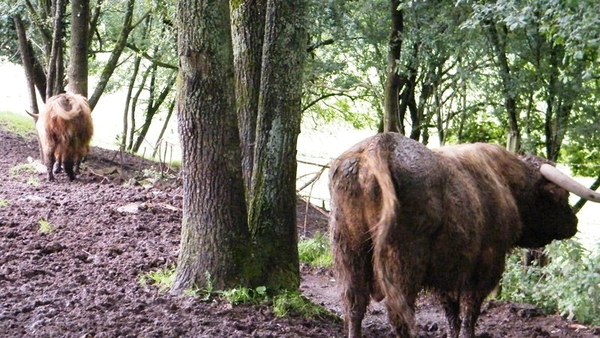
[
  {"x": 355, "y": 274},
  {"x": 68, "y": 164},
  {"x": 451, "y": 306},
  {"x": 401, "y": 311},
  {"x": 50, "y": 160},
  {"x": 355, "y": 305},
  {"x": 471, "y": 303}
]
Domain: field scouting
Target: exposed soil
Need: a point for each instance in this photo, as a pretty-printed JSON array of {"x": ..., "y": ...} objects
[{"x": 114, "y": 223}]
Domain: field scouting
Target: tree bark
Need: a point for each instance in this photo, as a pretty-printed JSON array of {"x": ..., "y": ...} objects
[
  {"x": 272, "y": 211},
  {"x": 392, "y": 85},
  {"x": 78, "y": 68},
  {"x": 248, "y": 29},
  {"x": 215, "y": 241}
]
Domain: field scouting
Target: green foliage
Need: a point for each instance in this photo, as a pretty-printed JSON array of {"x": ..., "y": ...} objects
[
  {"x": 45, "y": 227},
  {"x": 583, "y": 139},
  {"x": 18, "y": 124},
  {"x": 293, "y": 303},
  {"x": 163, "y": 278},
  {"x": 569, "y": 284},
  {"x": 245, "y": 295},
  {"x": 3, "y": 202},
  {"x": 315, "y": 251}
]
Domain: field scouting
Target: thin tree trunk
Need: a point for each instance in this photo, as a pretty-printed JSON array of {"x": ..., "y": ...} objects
[
  {"x": 392, "y": 84},
  {"x": 55, "y": 64},
  {"x": 28, "y": 68},
  {"x": 111, "y": 64},
  {"x": 78, "y": 70},
  {"x": 26, "y": 58},
  {"x": 159, "y": 140},
  {"x": 134, "y": 102},
  {"x": 136, "y": 68},
  {"x": 510, "y": 101},
  {"x": 151, "y": 111}
]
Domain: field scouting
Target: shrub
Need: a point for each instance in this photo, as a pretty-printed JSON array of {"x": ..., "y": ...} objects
[{"x": 569, "y": 284}]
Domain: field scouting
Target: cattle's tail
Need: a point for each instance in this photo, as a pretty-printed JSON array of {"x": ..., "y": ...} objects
[
  {"x": 378, "y": 164},
  {"x": 386, "y": 261}
]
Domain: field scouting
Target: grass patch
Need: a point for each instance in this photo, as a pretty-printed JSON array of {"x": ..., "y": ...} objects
[
  {"x": 21, "y": 169},
  {"x": 163, "y": 278},
  {"x": 45, "y": 227},
  {"x": 245, "y": 295},
  {"x": 19, "y": 124},
  {"x": 33, "y": 181},
  {"x": 284, "y": 304},
  {"x": 315, "y": 251},
  {"x": 294, "y": 303}
]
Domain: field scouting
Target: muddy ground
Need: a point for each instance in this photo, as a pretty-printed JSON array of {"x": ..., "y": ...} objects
[{"x": 80, "y": 277}]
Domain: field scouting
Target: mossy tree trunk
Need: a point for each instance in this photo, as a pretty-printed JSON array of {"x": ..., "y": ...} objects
[
  {"x": 272, "y": 198},
  {"x": 215, "y": 240},
  {"x": 248, "y": 29}
]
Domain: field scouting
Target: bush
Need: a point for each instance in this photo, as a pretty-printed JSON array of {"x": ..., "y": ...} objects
[
  {"x": 315, "y": 251},
  {"x": 569, "y": 284}
]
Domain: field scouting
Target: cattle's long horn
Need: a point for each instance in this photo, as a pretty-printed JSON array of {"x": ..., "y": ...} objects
[
  {"x": 35, "y": 116},
  {"x": 554, "y": 175}
]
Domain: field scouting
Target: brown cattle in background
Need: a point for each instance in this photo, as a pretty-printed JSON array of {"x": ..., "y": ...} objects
[
  {"x": 65, "y": 129},
  {"x": 406, "y": 218}
]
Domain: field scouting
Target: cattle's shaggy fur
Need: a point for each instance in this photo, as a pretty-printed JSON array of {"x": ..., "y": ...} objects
[
  {"x": 65, "y": 129},
  {"x": 406, "y": 218}
]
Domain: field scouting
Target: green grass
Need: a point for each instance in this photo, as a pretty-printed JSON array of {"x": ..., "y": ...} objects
[
  {"x": 19, "y": 124},
  {"x": 245, "y": 295},
  {"x": 21, "y": 169},
  {"x": 33, "y": 181},
  {"x": 284, "y": 303},
  {"x": 315, "y": 251},
  {"x": 163, "y": 278},
  {"x": 45, "y": 227},
  {"x": 294, "y": 303}
]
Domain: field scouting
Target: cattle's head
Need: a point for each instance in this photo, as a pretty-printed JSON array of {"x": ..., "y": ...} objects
[{"x": 545, "y": 211}]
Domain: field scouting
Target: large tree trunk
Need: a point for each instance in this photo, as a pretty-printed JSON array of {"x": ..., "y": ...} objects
[
  {"x": 273, "y": 196},
  {"x": 215, "y": 246},
  {"x": 78, "y": 68},
  {"x": 248, "y": 30}
]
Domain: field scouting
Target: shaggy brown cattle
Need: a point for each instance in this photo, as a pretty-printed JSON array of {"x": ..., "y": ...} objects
[
  {"x": 406, "y": 218},
  {"x": 65, "y": 129}
]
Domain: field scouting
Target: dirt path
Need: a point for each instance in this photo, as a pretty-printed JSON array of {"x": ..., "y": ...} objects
[{"x": 81, "y": 278}]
